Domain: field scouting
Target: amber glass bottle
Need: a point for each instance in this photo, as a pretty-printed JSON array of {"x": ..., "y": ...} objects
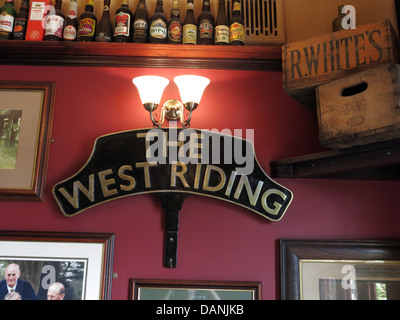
[
  {"x": 141, "y": 23},
  {"x": 189, "y": 25},
  {"x": 71, "y": 24},
  {"x": 236, "y": 27},
  {"x": 221, "y": 25},
  {"x": 175, "y": 24},
  {"x": 123, "y": 23},
  {"x": 55, "y": 24},
  {"x": 104, "y": 30},
  {"x": 7, "y": 16},
  {"x": 87, "y": 23},
  {"x": 21, "y": 21},
  {"x": 205, "y": 33},
  {"x": 159, "y": 25},
  {"x": 337, "y": 23}
]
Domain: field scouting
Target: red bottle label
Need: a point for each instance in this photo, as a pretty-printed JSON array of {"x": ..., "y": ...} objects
[
  {"x": 122, "y": 23},
  {"x": 175, "y": 31}
]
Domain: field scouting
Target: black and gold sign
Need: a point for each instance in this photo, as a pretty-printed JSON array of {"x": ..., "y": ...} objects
[{"x": 164, "y": 161}]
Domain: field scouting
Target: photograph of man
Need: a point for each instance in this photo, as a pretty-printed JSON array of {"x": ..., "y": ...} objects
[
  {"x": 56, "y": 291},
  {"x": 12, "y": 283}
]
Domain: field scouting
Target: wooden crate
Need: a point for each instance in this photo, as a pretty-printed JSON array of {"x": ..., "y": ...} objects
[
  {"x": 361, "y": 108},
  {"x": 313, "y": 62}
]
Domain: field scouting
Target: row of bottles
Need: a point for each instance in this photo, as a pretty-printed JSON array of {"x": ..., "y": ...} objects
[{"x": 128, "y": 27}]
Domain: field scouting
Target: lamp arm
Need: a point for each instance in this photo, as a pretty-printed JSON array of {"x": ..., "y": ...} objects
[
  {"x": 186, "y": 123},
  {"x": 151, "y": 107},
  {"x": 155, "y": 122},
  {"x": 189, "y": 106}
]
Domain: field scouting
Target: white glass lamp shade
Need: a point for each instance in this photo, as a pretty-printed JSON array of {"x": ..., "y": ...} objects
[
  {"x": 150, "y": 88},
  {"x": 191, "y": 87}
]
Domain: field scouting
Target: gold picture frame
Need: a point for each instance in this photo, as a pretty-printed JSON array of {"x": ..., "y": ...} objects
[
  {"x": 340, "y": 269},
  {"x": 152, "y": 289},
  {"x": 26, "y": 114}
]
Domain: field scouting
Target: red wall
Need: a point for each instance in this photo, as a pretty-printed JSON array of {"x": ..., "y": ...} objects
[{"x": 217, "y": 240}]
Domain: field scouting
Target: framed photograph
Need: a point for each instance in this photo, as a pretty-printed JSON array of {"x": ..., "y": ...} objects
[
  {"x": 397, "y": 7},
  {"x": 145, "y": 289},
  {"x": 56, "y": 266},
  {"x": 340, "y": 270},
  {"x": 26, "y": 113}
]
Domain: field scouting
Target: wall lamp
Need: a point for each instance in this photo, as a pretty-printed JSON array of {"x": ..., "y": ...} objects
[{"x": 190, "y": 87}]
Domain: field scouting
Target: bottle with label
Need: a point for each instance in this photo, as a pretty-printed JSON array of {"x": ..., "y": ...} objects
[
  {"x": 205, "y": 33},
  {"x": 141, "y": 23},
  {"x": 7, "y": 16},
  {"x": 159, "y": 25},
  {"x": 104, "y": 30},
  {"x": 71, "y": 25},
  {"x": 221, "y": 36},
  {"x": 55, "y": 24},
  {"x": 236, "y": 27},
  {"x": 87, "y": 23},
  {"x": 175, "y": 24},
  {"x": 123, "y": 23},
  {"x": 337, "y": 23},
  {"x": 21, "y": 21},
  {"x": 189, "y": 25}
]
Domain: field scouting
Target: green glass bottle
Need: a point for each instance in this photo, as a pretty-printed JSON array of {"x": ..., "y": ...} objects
[
  {"x": 7, "y": 16},
  {"x": 21, "y": 21}
]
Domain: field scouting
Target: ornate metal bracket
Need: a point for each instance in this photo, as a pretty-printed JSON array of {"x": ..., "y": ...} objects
[{"x": 172, "y": 203}]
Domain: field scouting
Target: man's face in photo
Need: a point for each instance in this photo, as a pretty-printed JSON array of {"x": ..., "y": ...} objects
[{"x": 12, "y": 274}]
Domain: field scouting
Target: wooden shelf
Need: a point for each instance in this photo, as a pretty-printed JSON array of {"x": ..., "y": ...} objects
[
  {"x": 63, "y": 53},
  {"x": 378, "y": 161}
]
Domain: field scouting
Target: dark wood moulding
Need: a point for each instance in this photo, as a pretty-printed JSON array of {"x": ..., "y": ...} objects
[{"x": 63, "y": 53}]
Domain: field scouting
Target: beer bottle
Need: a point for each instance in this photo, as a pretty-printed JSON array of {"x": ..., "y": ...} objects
[
  {"x": 7, "y": 15},
  {"x": 123, "y": 23},
  {"x": 205, "y": 34},
  {"x": 175, "y": 24},
  {"x": 337, "y": 23},
  {"x": 141, "y": 23},
  {"x": 189, "y": 25},
  {"x": 221, "y": 25},
  {"x": 236, "y": 27},
  {"x": 87, "y": 23},
  {"x": 21, "y": 21},
  {"x": 104, "y": 30},
  {"x": 158, "y": 25},
  {"x": 71, "y": 25},
  {"x": 55, "y": 24}
]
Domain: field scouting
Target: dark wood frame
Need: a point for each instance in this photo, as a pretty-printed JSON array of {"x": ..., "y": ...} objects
[
  {"x": 107, "y": 239},
  {"x": 36, "y": 193},
  {"x": 135, "y": 284},
  {"x": 397, "y": 5},
  {"x": 293, "y": 250}
]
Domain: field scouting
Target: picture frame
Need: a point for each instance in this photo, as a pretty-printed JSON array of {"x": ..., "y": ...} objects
[
  {"x": 397, "y": 8},
  {"x": 339, "y": 269},
  {"x": 81, "y": 262},
  {"x": 26, "y": 114},
  {"x": 152, "y": 289}
]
